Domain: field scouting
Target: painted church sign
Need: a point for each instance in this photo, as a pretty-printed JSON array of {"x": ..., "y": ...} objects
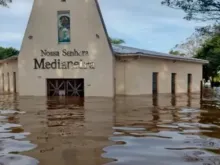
[
  {"x": 57, "y": 63},
  {"x": 64, "y": 52}
]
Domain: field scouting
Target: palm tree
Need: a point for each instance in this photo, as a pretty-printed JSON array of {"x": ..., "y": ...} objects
[
  {"x": 5, "y": 2},
  {"x": 117, "y": 41}
]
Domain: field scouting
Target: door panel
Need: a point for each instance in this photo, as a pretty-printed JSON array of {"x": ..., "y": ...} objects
[
  {"x": 15, "y": 82},
  {"x": 173, "y": 83},
  {"x": 65, "y": 87},
  {"x": 189, "y": 83},
  {"x": 155, "y": 83}
]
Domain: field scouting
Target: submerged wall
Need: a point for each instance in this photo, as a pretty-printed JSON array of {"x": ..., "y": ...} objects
[
  {"x": 66, "y": 40},
  {"x": 9, "y": 76},
  {"x": 134, "y": 76}
]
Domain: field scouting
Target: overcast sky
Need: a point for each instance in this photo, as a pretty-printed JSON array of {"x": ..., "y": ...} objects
[{"x": 141, "y": 23}]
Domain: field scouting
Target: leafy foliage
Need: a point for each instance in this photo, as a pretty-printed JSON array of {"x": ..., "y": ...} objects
[
  {"x": 117, "y": 41},
  {"x": 7, "y": 52},
  {"x": 204, "y": 10},
  {"x": 5, "y": 2},
  {"x": 191, "y": 45},
  {"x": 210, "y": 51},
  {"x": 175, "y": 52}
]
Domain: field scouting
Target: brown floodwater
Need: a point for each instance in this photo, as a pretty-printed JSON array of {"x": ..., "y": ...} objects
[{"x": 163, "y": 130}]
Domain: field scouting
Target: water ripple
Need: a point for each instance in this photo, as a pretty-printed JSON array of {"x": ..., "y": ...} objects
[
  {"x": 11, "y": 141},
  {"x": 138, "y": 130},
  {"x": 12, "y": 159},
  {"x": 173, "y": 136}
]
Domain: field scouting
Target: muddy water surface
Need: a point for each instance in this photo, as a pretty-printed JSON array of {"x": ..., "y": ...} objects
[{"x": 163, "y": 130}]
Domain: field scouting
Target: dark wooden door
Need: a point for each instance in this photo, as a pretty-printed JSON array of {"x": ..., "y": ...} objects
[
  {"x": 189, "y": 83},
  {"x": 15, "y": 82},
  {"x": 3, "y": 82},
  {"x": 155, "y": 83},
  {"x": 65, "y": 87},
  {"x": 75, "y": 87},
  {"x": 173, "y": 83},
  {"x": 8, "y": 81},
  {"x": 55, "y": 87}
]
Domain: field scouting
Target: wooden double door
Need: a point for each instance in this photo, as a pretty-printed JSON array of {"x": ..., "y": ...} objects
[{"x": 65, "y": 87}]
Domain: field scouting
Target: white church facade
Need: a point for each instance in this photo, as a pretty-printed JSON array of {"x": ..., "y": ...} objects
[{"x": 66, "y": 51}]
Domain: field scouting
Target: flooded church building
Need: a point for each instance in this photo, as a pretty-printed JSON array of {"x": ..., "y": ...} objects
[{"x": 66, "y": 51}]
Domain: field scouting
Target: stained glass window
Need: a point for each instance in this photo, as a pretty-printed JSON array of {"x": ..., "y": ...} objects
[{"x": 64, "y": 27}]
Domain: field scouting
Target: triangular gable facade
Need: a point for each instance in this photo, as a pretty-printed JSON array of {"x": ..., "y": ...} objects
[{"x": 66, "y": 39}]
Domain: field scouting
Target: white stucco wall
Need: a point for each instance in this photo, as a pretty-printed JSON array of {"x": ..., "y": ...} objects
[
  {"x": 6, "y": 68},
  {"x": 86, "y": 24},
  {"x": 134, "y": 77}
]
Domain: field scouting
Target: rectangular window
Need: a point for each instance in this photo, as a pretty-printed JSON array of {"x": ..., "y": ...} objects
[
  {"x": 155, "y": 83},
  {"x": 173, "y": 83},
  {"x": 189, "y": 83},
  {"x": 64, "y": 28}
]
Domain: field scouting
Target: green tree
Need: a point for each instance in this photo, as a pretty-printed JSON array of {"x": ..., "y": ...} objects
[
  {"x": 5, "y": 2},
  {"x": 210, "y": 51},
  {"x": 191, "y": 44},
  {"x": 204, "y": 10},
  {"x": 176, "y": 52},
  {"x": 117, "y": 41},
  {"x": 7, "y": 52}
]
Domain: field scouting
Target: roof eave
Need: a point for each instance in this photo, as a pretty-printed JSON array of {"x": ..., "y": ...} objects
[
  {"x": 163, "y": 57},
  {"x": 15, "y": 57}
]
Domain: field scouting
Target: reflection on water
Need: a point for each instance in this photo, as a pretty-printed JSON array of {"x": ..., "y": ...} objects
[
  {"x": 159, "y": 130},
  {"x": 12, "y": 136}
]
